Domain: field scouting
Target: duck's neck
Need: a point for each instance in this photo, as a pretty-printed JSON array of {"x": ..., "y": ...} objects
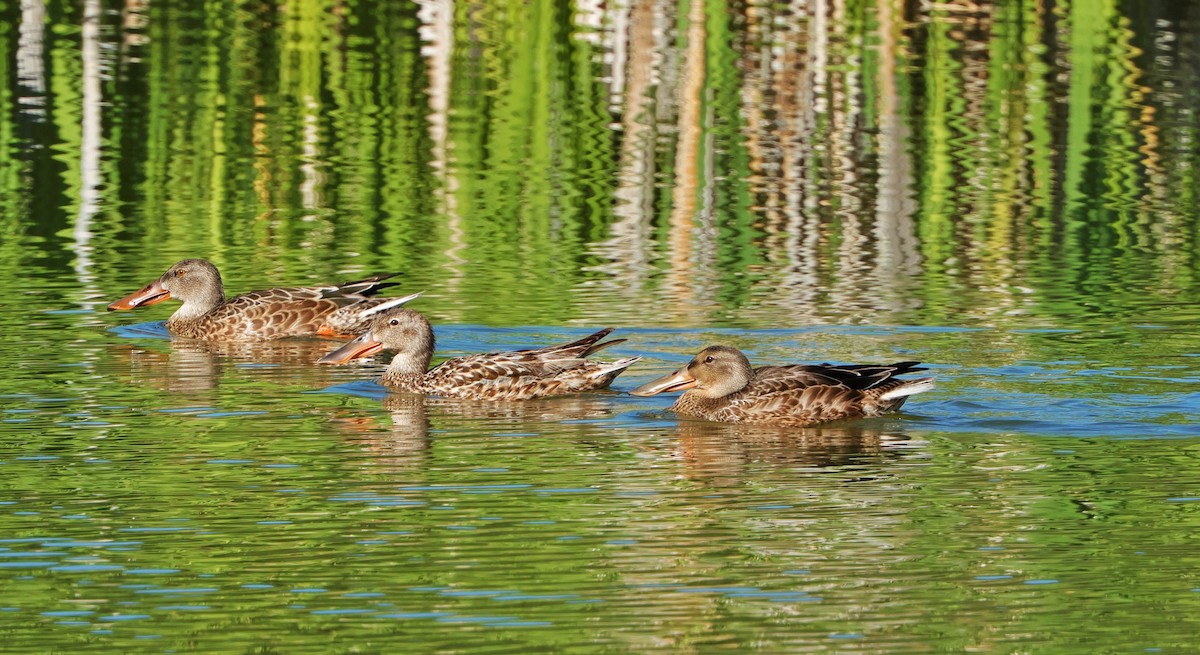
[
  {"x": 407, "y": 371},
  {"x": 195, "y": 307},
  {"x": 692, "y": 402}
]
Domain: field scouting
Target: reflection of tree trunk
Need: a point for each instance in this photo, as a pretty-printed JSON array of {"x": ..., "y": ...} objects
[
  {"x": 843, "y": 94},
  {"x": 799, "y": 92},
  {"x": 683, "y": 205},
  {"x": 759, "y": 138},
  {"x": 310, "y": 185},
  {"x": 31, "y": 52},
  {"x": 135, "y": 17},
  {"x": 307, "y": 92},
  {"x": 89, "y": 144},
  {"x": 1164, "y": 126},
  {"x": 437, "y": 34},
  {"x": 637, "y": 55},
  {"x": 812, "y": 167},
  {"x": 898, "y": 252}
]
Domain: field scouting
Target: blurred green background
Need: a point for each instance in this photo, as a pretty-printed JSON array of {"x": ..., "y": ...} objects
[{"x": 648, "y": 162}]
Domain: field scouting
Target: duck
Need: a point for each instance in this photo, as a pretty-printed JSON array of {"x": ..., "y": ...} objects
[
  {"x": 721, "y": 385},
  {"x": 329, "y": 311},
  {"x": 514, "y": 375}
]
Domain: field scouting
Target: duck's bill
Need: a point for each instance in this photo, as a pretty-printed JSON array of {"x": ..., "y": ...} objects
[
  {"x": 364, "y": 346},
  {"x": 677, "y": 381},
  {"x": 151, "y": 294}
]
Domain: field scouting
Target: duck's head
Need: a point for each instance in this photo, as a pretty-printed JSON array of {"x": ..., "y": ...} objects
[
  {"x": 404, "y": 331},
  {"x": 191, "y": 281},
  {"x": 714, "y": 373}
]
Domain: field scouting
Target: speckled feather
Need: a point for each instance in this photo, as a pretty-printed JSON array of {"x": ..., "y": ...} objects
[
  {"x": 793, "y": 395},
  {"x": 329, "y": 310},
  {"x": 515, "y": 375},
  {"x": 523, "y": 374},
  {"x": 801, "y": 396},
  {"x": 278, "y": 313}
]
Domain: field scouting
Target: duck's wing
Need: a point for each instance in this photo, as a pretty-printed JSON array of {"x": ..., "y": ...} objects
[
  {"x": 359, "y": 289},
  {"x": 269, "y": 314},
  {"x": 854, "y": 376},
  {"x": 355, "y": 319},
  {"x": 536, "y": 362},
  {"x": 462, "y": 371},
  {"x": 493, "y": 376},
  {"x": 866, "y": 376},
  {"x": 575, "y": 349},
  {"x": 291, "y": 311},
  {"x": 278, "y": 295},
  {"x": 806, "y": 394},
  {"x": 524, "y": 374},
  {"x": 341, "y": 295}
]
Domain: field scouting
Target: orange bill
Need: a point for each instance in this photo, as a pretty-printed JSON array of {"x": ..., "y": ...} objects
[
  {"x": 677, "y": 381},
  {"x": 151, "y": 294},
  {"x": 364, "y": 346}
]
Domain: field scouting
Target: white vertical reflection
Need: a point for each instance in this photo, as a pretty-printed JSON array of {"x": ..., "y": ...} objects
[
  {"x": 683, "y": 279},
  {"x": 310, "y": 187},
  {"x": 899, "y": 255},
  {"x": 437, "y": 37},
  {"x": 640, "y": 31},
  {"x": 89, "y": 144},
  {"x": 31, "y": 50}
]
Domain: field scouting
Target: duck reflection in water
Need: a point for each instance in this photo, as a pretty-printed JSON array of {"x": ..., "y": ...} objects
[
  {"x": 401, "y": 443},
  {"x": 189, "y": 365},
  {"x": 722, "y": 453}
]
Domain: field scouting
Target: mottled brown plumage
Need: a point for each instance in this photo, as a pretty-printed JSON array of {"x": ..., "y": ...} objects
[
  {"x": 258, "y": 315},
  {"x": 516, "y": 375},
  {"x": 722, "y": 386}
]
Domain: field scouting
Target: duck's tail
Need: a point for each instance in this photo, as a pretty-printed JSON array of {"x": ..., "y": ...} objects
[
  {"x": 354, "y": 319},
  {"x": 603, "y": 373},
  {"x": 376, "y": 306},
  {"x": 620, "y": 365},
  {"x": 906, "y": 388},
  {"x": 366, "y": 286},
  {"x": 587, "y": 345}
]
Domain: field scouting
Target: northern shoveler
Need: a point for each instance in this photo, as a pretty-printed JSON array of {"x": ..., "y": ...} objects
[
  {"x": 722, "y": 386},
  {"x": 515, "y": 375},
  {"x": 334, "y": 310}
]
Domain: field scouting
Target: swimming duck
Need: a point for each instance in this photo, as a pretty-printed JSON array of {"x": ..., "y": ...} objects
[
  {"x": 333, "y": 310},
  {"x": 722, "y": 386},
  {"x": 515, "y": 375}
]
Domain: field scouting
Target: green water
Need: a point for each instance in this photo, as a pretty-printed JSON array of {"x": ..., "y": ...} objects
[{"x": 1007, "y": 191}]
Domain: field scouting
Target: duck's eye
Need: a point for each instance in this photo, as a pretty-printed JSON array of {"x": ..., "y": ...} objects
[
  {"x": 710, "y": 359},
  {"x": 394, "y": 321},
  {"x": 180, "y": 272}
]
